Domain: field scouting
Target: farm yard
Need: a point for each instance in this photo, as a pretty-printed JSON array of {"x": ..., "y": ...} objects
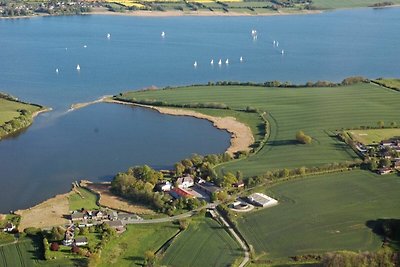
[
  {"x": 374, "y": 136},
  {"x": 203, "y": 243},
  {"x": 322, "y": 213},
  {"x": 318, "y": 111}
]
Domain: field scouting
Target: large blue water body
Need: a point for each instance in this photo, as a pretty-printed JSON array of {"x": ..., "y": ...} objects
[
  {"x": 100, "y": 140},
  {"x": 327, "y": 46}
]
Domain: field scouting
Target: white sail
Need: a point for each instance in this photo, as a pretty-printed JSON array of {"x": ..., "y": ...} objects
[
  {"x": 241, "y": 59},
  {"x": 162, "y": 34},
  {"x": 195, "y": 64},
  {"x": 227, "y": 61},
  {"x": 108, "y": 36},
  {"x": 78, "y": 67},
  {"x": 220, "y": 62},
  {"x": 212, "y": 62},
  {"x": 56, "y": 70},
  {"x": 283, "y": 52}
]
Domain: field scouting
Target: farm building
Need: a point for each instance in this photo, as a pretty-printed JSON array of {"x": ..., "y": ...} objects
[
  {"x": 208, "y": 188},
  {"x": 79, "y": 216},
  {"x": 262, "y": 200},
  {"x": 9, "y": 227},
  {"x": 180, "y": 192}
]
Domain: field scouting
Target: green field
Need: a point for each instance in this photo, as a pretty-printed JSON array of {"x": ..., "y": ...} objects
[
  {"x": 316, "y": 111},
  {"x": 85, "y": 199},
  {"x": 391, "y": 83},
  {"x": 204, "y": 243},
  {"x": 323, "y": 213},
  {"x": 374, "y": 136},
  {"x": 9, "y": 109},
  {"x": 333, "y": 4},
  {"x": 129, "y": 248}
]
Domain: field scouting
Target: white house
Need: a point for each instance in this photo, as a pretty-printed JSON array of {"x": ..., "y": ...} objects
[
  {"x": 164, "y": 186},
  {"x": 185, "y": 182},
  {"x": 9, "y": 227}
]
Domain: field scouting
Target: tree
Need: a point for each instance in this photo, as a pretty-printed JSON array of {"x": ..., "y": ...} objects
[
  {"x": 149, "y": 258},
  {"x": 75, "y": 249},
  {"x": 381, "y": 124},
  {"x": 183, "y": 224},
  {"x": 372, "y": 165},
  {"x": 179, "y": 169},
  {"x": 393, "y": 124},
  {"x": 57, "y": 233},
  {"x": 303, "y": 138}
]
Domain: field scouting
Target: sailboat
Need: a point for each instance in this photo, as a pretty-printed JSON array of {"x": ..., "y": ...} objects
[
  {"x": 212, "y": 62},
  {"x": 241, "y": 59},
  {"x": 227, "y": 61},
  {"x": 283, "y": 52},
  {"x": 163, "y": 34},
  {"x": 108, "y": 36},
  {"x": 195, "y": 64},
  {"x": 78, "y": 67},
  {"x": 277, "y": 43},
  {"x": 84, "y": 46},
  {"x": 57, "y": 71},
  {"x": 220, "y": 62}
]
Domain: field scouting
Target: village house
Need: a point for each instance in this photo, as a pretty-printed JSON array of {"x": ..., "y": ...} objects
[
  {"x": 239, "y": 184},
  {"x": 397, "y": 165},
  {"x": 385, "y": 170},
  {"x": 185, "y": 182},
  {"x": 69, "y": 236},
  {"x": 79, "y": 216},
  {"x": 117, "y": 225},
  {"x": 9, "y": 227}
]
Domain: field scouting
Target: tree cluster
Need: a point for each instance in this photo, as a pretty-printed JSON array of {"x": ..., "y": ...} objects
[
  {"x": 22, "y": 121},
  {"x": 303, "y": 138}
]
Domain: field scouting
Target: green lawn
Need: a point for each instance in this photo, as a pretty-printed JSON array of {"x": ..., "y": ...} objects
[
  {"x": 332, "y": 4},
  {"x": 9, "y": 109},
  {"x": 204, "y": 243},
  {"x": 323, "y": 213},
  {"x": 316, "y": 111},
  {"x": 374, "y": 136},
  {"x": 130, "y": 247},
  {"x": 85, "y": 199}
]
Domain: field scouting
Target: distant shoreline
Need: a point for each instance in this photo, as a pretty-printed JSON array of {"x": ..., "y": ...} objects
[{"x": 202, "y": 13}]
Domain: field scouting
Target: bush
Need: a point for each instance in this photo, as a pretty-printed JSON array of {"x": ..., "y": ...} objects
[
  {"x": 54, "y": 246},
  {"x": 303, "y": 138}
]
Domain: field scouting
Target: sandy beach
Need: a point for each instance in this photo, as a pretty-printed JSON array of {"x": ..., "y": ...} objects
[{"x": 241, "y": 135}]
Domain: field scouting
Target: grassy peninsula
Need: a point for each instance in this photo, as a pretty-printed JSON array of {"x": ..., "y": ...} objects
[
  {"x": 318, "y": 111},
  {"x": 16, "y": 115}
]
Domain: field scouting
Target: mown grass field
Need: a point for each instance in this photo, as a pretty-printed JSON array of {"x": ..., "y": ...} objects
[
  {"x": 203, "y": 243},
  {"x": 323, "y": 213},
  {"x": 129, "y": 248},
  {"x": 374, "y": 136},
  {"x": 85, "y": 199},
  {"x": 316, "y": 111},
  {"x": 9, "y": 109}
]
